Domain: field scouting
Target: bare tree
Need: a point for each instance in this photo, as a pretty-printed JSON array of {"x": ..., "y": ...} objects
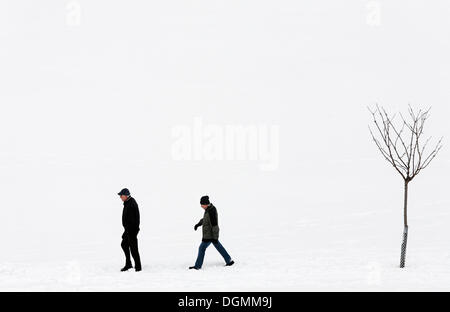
[{"x": 401, "y": 144}]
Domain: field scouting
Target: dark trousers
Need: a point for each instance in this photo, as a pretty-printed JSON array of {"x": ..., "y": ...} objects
[
  {"x": 130, "y": 244},
  {"x": 202, "y": 250}
]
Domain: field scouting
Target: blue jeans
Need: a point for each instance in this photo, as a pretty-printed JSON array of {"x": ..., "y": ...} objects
[{"x": 202, "y": 250}]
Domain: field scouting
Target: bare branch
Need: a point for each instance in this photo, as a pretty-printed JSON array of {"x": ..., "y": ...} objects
[{"x": 401, "y": 144}]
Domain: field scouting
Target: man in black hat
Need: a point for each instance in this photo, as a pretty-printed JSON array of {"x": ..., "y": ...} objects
[
  {"x": 130, "y": 221},
  {"x": 210, "y": 223}
]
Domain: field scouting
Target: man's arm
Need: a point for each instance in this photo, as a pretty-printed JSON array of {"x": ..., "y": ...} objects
[
  {"x": 213, "y": 217},
  {"x": 200, "y": 223},
  {"x": 138, "y": 215},
  {"x": 214, "y": 223},
  {"x": 133, "y": 216}
]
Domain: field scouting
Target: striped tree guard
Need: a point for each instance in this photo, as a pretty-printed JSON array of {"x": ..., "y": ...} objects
[{"x": 405, "y": 240}]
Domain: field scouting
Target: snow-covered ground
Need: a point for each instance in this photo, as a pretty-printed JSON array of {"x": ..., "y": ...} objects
[
  {"x": 354, "y": 251},
  {"x": 334, "y": 265},
  {"x": 92, "y": 93}
]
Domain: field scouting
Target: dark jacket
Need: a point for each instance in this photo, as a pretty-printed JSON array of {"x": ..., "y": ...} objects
[
  {"x": 130, "y": 215},
  {"x": 210, "y": 223}
]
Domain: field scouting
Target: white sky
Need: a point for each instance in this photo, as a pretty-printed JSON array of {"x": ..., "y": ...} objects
[{"x": 88, "y": 110}]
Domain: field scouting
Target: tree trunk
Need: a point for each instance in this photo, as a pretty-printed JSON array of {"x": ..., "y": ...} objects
[{"x": 405, "y": 227}]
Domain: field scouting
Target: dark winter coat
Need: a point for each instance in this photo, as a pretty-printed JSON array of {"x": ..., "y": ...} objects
[
  {"x": 130, "y": 215},
  {"x": 210, "y": 224}
]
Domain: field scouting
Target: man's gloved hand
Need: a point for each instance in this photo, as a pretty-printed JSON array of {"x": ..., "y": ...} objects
[{"x": 196, "y": 226}]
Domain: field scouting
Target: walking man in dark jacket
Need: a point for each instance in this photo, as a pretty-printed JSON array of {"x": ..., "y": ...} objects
[
  {"x": 210, "y": 225},
  {"x": 130, "y": 222}
]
